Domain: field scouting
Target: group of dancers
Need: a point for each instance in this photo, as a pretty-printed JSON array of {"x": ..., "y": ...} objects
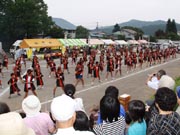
[{"x": 111, "y": 59}]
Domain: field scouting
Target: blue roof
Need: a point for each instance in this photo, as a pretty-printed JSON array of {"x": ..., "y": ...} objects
[{"x": 64, "y": 24}]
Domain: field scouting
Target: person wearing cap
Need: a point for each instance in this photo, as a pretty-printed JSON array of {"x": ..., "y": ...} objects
[
  {"x": 29, "y": 83},
  {"x": 41, "y": 123},
  {"x": 178, "y": 99},
  {"x": 12, "y": 124},
  {"x": 63, "y": 111}
]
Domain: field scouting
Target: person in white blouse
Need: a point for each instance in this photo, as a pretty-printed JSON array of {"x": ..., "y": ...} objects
[
  {"x": 153, "y": 79},
  {"x": 69, "y": 90}
]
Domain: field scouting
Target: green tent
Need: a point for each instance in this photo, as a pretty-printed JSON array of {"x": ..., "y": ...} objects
[{"x": 72, "y": 42}]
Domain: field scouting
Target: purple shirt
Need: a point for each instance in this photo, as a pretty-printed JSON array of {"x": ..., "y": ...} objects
[{"x": 41, "y": 123}]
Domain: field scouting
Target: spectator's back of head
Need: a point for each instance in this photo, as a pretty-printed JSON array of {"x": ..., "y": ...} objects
[
  {"x": 166, "y": 99},
  {"x": 136, "y": 110},
  {"x": 4, "y": 108},
  {"x": 112, "y": 91},
  {"x": 82, "y": 121},
  {"x": 109, "y": 108},
  {"x": 12, "y": 124},
  {"x": 166, "y": 81},
  {"x": 69, "y": 90}
]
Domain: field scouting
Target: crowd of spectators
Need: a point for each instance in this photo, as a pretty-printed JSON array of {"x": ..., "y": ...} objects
[{"x": 67, "y": 115}]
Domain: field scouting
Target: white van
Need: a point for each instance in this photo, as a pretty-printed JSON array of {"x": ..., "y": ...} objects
[
  {"x": 16, "y": 51},
  {"x": 15, "y": 46}
]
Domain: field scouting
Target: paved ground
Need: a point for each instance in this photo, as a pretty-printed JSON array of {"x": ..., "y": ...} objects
[{"x": 132, "y": 83}]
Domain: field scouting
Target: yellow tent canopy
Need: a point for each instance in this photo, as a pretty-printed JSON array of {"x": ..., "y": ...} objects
[{"x": 40, "y": 43}]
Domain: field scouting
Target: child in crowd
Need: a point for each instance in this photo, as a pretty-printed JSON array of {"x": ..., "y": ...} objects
[
  {"x": 96, "y": 70},
  {"x": 136, "y": 114},
  {"x": 81, "y": 122},
  {"x": 29, "y": 83},
  {"x": 52, "y": 68},
  {"x": 1, "y": 86},
  {"x": 5, "y": 62},
  {"x": 79, "y": 74},
  {"x": 39, "y": 80},
  {"x": 1, "y": 70},
  {"x": 13, "y": 85},
  {"x": 59, "y": 80}
]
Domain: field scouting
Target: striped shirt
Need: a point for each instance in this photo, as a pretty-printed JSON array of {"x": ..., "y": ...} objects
[{"x": 114, "y": 128}]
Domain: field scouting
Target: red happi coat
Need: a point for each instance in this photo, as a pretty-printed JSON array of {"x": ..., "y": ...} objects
[
  {"x": 96, "y": 71},
  {"x": 13, "y": 85},
  {"x": 32, "y": 87},
  {"x": 60, "y": 79},
  {"x": 39, "y": 79}
]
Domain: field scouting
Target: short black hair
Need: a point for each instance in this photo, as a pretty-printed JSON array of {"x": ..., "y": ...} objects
[
  {"x": 12, "y": 74},
  {"x": 4, "y": 108},
  {"x": 112, "y": 91},
  {"x": 69, "y": 90},
  {"x": 29, "y": 71},
  {"x": 160, "y": 73},
  {"x": 82, "y": 122},
  {"x": 166, "y": 99},
  {"x": 109, "y": 108},
  {"x": 136, "y": 110}
]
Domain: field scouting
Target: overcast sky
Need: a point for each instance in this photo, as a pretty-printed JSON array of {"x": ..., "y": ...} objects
[{"x": 109, "y": 12}]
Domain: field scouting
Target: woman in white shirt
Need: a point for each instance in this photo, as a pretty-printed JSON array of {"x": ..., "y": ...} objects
[{"x": 70, "y": 90}]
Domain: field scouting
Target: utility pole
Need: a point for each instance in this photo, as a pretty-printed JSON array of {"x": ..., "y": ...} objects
[{"x": 97, "y": 26}]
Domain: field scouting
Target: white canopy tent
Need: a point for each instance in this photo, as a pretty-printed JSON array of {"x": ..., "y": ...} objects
[
  {"x": 143, "y": 42},
  {"x": 133, "y": 42},
  {"x": 108, "y": 42},
  {"x": 93, "y": 41},
  {"x": 121, "y": 42}
]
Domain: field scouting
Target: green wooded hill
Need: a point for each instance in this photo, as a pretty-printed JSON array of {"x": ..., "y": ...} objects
[{"x": 148, "y": 27}]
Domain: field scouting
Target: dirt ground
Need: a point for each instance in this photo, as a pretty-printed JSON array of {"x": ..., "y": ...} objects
[{"x": 132, "y": 83}]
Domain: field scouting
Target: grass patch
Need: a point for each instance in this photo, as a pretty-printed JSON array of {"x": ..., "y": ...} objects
[{"x": 177, "y": 80}]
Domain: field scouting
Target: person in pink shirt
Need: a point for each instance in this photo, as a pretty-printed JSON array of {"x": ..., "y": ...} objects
[{"x": 40, "y": 122}]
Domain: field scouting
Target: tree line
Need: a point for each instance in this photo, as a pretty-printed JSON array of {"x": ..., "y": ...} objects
[
  {"x": 21, "y": 19},
  {"x": 169, "y": 33}
]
